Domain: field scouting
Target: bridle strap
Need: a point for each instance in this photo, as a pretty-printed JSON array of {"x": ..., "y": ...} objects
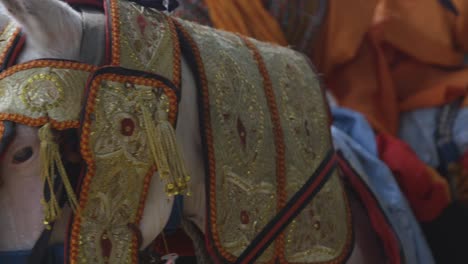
[{"x": 94, "y": 23}]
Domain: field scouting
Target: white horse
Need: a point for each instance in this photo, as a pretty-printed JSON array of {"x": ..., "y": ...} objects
[{"x": 55, "y": 30}]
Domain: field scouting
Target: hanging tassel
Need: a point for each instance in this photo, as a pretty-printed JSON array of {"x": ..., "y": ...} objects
[
  {"x": 165, "y": 152},
  {"x": 50, "y": 161}
]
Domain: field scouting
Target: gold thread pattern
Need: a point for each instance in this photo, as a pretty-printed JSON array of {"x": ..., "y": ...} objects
[
  {"x": 115, "y": 148},
  {"x": 146, "y": 42},
  {"x": 242, "y": 140},
  {"x": 305, "y": 122},
  {"x": 42, "y": 92},
  {"x": 34, "y": 93},
  {"x": 243, "y": 146}
]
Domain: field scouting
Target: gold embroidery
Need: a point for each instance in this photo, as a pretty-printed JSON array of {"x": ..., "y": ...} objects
[
  {"x": 118, "y": 158},
  {"x": 305, "y": 124},
  {"x": 43, "y": 94},
  {"x": 146, "y": 42},
  {"x": 243, "y": 140},
  {"x": 243, "y": 150}
]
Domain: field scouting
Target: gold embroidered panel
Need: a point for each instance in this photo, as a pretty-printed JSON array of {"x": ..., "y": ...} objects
[
  {"x": 43, "y": 90},
  {"x": 244, "y": 185},
  {"x": 115, "y": 148},
  {"x": 144, "y": 39},
  {"x": 304, "y": 120}
]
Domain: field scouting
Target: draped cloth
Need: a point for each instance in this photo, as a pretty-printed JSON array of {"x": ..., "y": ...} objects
[
  {"x": 382, "y": 57},
  {"x": 285, "y": 22},
  {"x": 355, "y": 139},
  {"x": 247, "y": 17}
]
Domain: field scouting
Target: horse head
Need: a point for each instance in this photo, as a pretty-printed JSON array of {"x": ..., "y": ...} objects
[
  {"x": 55, "y": 30},
  {"x": 265, "y": 141}
]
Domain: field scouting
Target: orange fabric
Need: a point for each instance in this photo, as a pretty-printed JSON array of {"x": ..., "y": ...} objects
[
  {"x": 427, "y": 192},
  {"x": 382, "y": 57},
  {"x": 247, "y": 17}
]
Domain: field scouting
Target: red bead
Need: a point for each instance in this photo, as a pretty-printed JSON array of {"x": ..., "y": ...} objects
[
  {"x": 244, "y": 217},
  {"x": 127, "y": 127},
  {"x": 106, "y": 247}
]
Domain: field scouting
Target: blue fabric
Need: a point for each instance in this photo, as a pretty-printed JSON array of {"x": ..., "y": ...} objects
[
  {"x": 460, "y": 130},
  {"x": 55, "y": 256},
  {"x": 176, "y": 215},
  {"x": 417, "y": 128},
  {"x": 14, "y": 257},
  {"x": 353, "y": 136}
]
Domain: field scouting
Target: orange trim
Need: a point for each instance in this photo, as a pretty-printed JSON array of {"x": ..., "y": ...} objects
[
  {"x": 211, "y": 161},
  {"x": 88, "y": 155},
  {"x": 279, "y": 141},
  {"x": 35, "y": 122},
  {"x": 115, "y": 42},
  {"x": 115, "y": 34},
  {"x": 11, "y": 40},
  {"x": 18, "y": 118},
  {"x": 281, "y": 160},
  {"x": 177, "y": 54},
  {"x": 2, "y": 129},
  {"x": 48, "y": 63},
  {"x": 209, "y": 141}
]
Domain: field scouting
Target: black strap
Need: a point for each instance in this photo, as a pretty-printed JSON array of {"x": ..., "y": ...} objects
[{"x": 39, "y": 251}]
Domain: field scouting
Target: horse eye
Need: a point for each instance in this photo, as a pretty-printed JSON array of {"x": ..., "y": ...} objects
[{"x": 22, "y": 155}]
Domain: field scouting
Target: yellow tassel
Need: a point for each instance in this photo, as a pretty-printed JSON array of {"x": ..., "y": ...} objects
[
  {"x": 50, "y": 159},
  {"x": 165, "y": 152}
]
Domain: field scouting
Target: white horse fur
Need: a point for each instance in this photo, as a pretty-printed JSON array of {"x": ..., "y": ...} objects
[{"x": 54, "y": 30}]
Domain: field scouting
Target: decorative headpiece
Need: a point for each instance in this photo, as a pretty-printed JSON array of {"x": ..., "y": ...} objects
[{"x": 50, "y": 94}]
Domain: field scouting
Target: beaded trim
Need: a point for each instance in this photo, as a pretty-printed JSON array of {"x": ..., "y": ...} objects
[{"x": 18, "y": 109}]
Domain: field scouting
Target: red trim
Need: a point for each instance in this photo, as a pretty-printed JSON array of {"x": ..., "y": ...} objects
[
  {"x": 312, "y": 188},
  {"x": 89, "y": 159},
  {"x": 278, "y": 139},
  {"x": 2, "y": 129},
  {"x": 378, "y": 220},
  {"x": 16, "y": 51}
]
